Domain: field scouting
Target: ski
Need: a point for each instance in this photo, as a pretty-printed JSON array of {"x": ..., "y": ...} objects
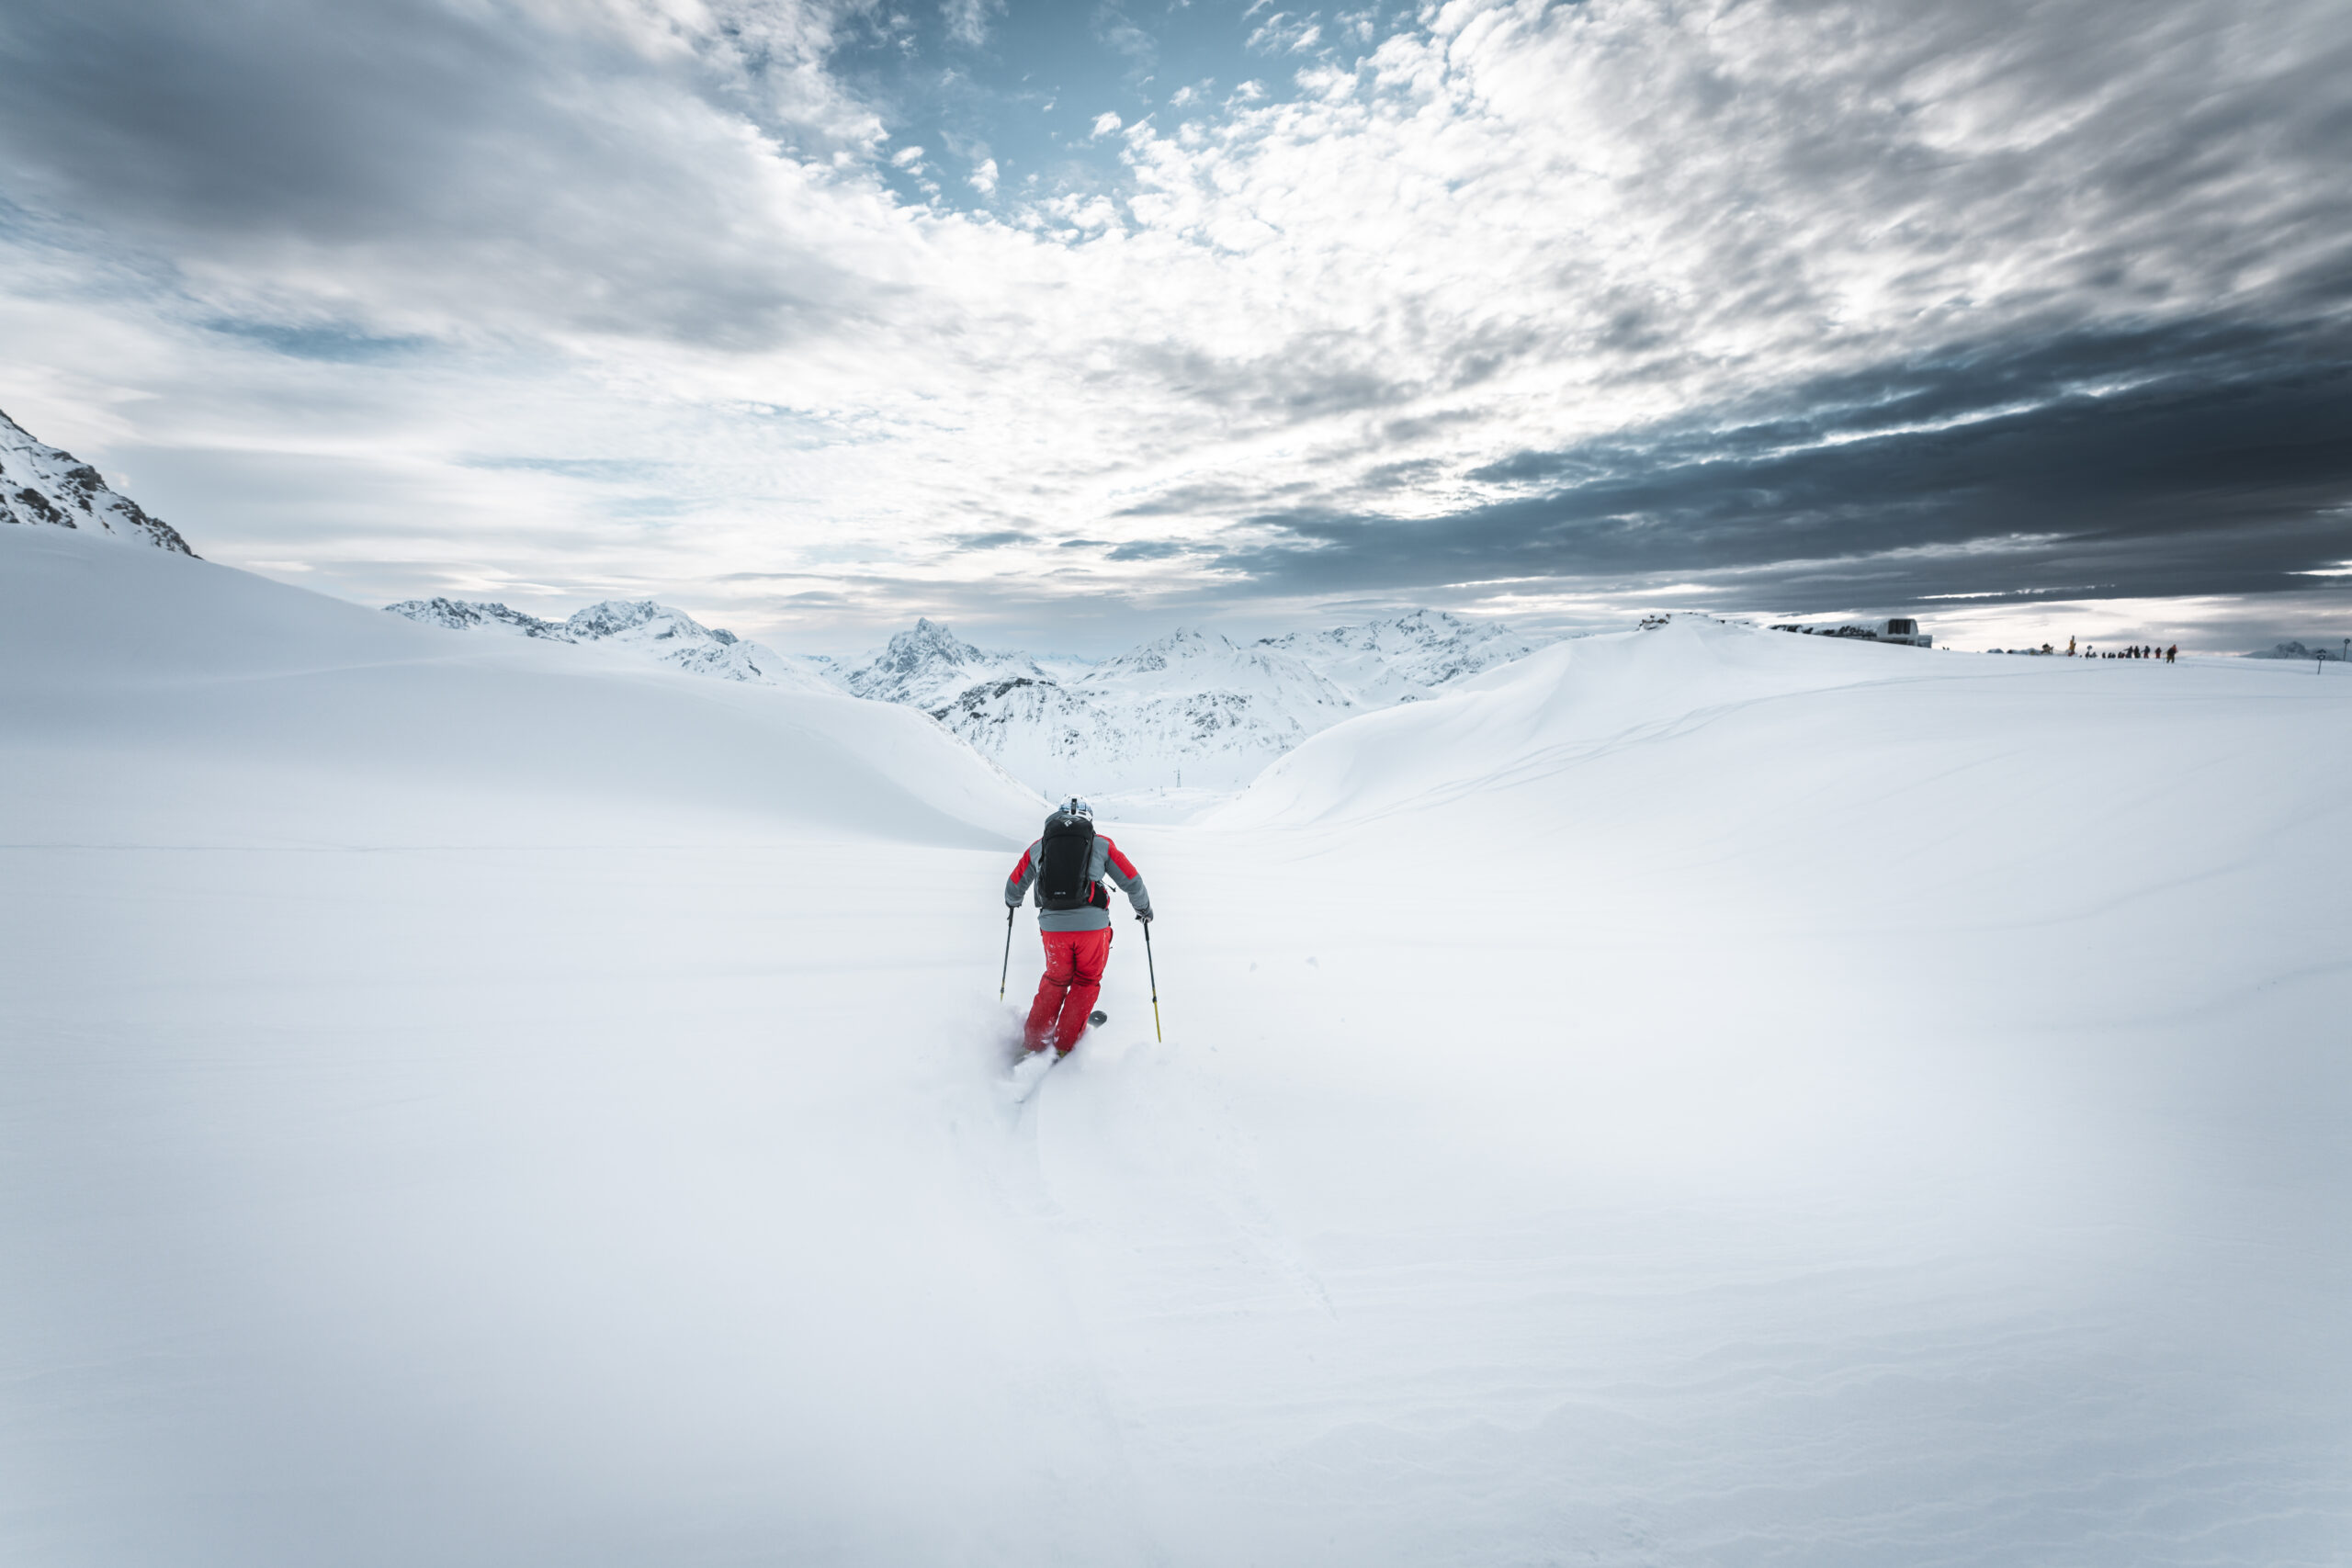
[{"x": 1027, "y": 1074}]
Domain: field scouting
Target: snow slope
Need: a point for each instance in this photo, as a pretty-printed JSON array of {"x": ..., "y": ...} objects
[
  {"x": 41, "y": 485},
  {"x": 154, "y": 696},
  {"x": 636, "y": 628},
  {"x": 1531, "y": 717},
  {"x": 1698, "y": 1097}
]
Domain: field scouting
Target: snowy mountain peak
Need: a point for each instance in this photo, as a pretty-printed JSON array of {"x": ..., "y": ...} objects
[
  {"x": 1408, "y": 657},
  {"x": 930, "y": 666},
  {"x": 928, "y": 641},
  {"x": 1194, "y": 662},
  {"x": 458, "y": 615},
  {"x": 640, "y": 626},
  {"x": 41, "y": 484},
  {"x": 1182, "y": 645}
]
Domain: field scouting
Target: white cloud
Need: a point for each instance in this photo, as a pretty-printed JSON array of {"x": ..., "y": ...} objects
[
  {"x": 967, "y": 20},
  {"x": 1524, "y": 228}
]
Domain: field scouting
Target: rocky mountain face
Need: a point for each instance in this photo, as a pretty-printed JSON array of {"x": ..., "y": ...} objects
[
  {"x": 638, "y": 628},
  {"x": 41, "y": 485},
  {"x": 1193, "y": 707},
  {"x": 928, "y": 666}
]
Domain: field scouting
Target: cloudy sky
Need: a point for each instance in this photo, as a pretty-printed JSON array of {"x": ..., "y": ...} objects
[{"x": 1068, "y": 323}]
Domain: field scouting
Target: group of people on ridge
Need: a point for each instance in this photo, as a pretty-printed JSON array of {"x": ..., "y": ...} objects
[{"x": 2137, "y": 650}]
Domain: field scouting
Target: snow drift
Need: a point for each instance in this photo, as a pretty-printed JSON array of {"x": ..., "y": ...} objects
[{"x": 1693, "y": 1096}]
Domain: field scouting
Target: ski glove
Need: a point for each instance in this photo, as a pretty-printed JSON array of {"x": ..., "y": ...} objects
[{"x": 1144, "y": 915}]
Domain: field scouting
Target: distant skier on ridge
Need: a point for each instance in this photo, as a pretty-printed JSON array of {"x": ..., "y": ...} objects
[{"x": 1068, "y": 865}]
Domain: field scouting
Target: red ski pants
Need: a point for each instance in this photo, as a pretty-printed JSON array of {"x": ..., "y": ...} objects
[{"x": 1074, "y": 962}]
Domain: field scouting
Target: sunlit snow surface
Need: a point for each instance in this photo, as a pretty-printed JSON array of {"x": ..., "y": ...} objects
[{"x": 1697, "y": 1096}]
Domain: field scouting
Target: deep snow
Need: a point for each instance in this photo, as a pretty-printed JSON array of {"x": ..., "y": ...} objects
[{"x": 1691, "y": 1096}]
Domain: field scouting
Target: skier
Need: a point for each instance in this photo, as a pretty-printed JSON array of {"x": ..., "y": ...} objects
[{"x": 1070, "y": 864}]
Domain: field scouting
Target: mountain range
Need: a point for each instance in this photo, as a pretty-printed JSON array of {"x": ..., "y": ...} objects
[
  {"x": 637, "y": 627},
  {"x": 1193, "y": 709}
]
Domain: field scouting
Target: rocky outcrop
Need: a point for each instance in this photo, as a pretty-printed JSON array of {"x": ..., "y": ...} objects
[{"x": 42, "y": 486}]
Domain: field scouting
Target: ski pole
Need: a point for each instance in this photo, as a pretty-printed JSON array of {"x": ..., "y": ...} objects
[
  {"x": 1007, "y": 972},
  {"x": 1154, "y": 970}
]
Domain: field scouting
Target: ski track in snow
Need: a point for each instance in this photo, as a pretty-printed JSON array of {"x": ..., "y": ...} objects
[{"x": 1695, "y": 1096}]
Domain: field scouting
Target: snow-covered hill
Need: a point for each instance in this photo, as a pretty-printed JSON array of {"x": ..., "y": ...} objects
[
  {"x": 1193, "y": 706},
  {"x": 638, "y": 628},
  {"x": 228, "y": 680},
  {"x": 1588, "y": 693},
  {"x": 1383, "y": 662},
  {"x": 41, "y": 485},
  {"x": 1686, "y": 1096}
]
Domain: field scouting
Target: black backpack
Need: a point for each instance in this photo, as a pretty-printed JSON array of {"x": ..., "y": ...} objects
[{"x": 1065, "y": 855}]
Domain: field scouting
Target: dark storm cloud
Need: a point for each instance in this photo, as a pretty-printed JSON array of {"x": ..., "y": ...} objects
[
  {"x": 238, "y": 117},
  {"x": 518, "y": 164},
  {"x": 1212, "y": 498},
  {"x": 2190, "y": 461}
]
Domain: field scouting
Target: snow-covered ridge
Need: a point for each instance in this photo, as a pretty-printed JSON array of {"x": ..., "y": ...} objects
[
  {"x": 364, "y": 705},
  {"x": 1567, "y": 699},
  {"x": 638, "y": 626},
  {"x": 1193, "y": 707},
  {"x": 929, "y": 666},
  {"x": 42, "y": 484},
  {"x": 1382, "y": 662}
]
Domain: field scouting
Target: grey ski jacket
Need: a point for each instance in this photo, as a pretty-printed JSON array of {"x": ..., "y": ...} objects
[{"x": 1108, "y": 866}]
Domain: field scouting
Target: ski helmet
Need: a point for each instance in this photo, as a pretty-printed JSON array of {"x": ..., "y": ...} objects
[{"x": 1077, "y": 807}]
